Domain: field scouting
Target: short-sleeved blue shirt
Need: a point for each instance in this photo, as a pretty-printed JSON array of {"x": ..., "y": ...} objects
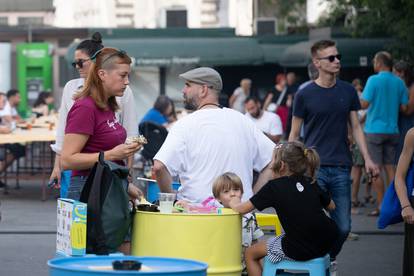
[
  {"x": 154, "y": 116},
  {"x": 385, "y": 92},
  {"x": 325, "y": 113}
]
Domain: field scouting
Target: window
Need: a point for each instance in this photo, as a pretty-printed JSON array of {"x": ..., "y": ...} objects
[
  {"x": 64, "y": 42},
  {"x": 266, "y": 26},
  {"x": 4, "y": 21},
  {"x": 176, "y": 18},
  {"x": 35, "y": 21},
  {"x": 124, "y": 6}
]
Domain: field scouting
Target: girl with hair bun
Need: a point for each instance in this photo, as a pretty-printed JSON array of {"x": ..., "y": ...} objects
[
  {"x": 299, "y": 203},
  {"x": 125, "y": 114},
  {"x": 91, "y": 46}
]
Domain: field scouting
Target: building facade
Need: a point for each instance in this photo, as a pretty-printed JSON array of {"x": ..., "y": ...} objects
[
  {"x": 27, "y": 13},
  {"x": 96, "y": 14},
  {"x": 237, "y": 14}
]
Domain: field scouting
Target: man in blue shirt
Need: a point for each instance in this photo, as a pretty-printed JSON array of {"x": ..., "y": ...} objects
[
  {"x": 384, "y": 95},
  {"x": 325, "y": 107}
]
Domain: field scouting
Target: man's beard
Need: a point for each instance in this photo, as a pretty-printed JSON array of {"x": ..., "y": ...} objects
[
  {"x": 189, "y": 104},
  {"x": 256, "y": 114}
]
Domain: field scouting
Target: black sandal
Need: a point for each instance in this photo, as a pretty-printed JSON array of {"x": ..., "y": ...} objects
[
  {"x": 356, "y": 204},
  {"x": 369, "y": 199}
]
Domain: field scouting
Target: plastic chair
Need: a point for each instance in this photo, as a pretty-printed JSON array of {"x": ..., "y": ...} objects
[
  {"x": 315, "y": 267},
  {"x": 155, "y": 134},
  {"x": 264, "y": 219}
]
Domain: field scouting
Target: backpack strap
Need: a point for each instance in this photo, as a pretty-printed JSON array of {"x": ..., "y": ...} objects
[{"x": 281, "y": 97}]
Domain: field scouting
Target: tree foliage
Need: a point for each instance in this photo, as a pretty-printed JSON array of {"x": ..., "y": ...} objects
[
  {"x": 376, "y": 18},
  {"x": 289, "y": 13}
]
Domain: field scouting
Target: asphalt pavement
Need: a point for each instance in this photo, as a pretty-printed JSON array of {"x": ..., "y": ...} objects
[{"x": 28, "y": 236}]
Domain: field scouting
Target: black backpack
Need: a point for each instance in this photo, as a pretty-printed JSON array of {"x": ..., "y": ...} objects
[{"x": 109, "y": 215}]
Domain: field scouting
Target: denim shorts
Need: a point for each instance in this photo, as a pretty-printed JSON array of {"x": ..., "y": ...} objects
[
  {"x": 76, "y": 186},
  {"x": 382, "y": 147}
]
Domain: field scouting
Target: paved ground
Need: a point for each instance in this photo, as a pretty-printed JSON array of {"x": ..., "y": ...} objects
[{"x": 28, "y": 225}]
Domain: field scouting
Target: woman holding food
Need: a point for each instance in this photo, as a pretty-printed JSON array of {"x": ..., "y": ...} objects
[
  {"x": 126, "y": 114},
  {"x": 92, "y": 125}
]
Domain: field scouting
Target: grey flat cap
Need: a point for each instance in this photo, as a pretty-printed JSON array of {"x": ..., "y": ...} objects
[{"x": 204, "y": 75}]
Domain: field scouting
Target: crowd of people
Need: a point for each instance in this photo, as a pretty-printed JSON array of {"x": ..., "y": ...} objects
[
  {"x": 297, "y": 150},
  {"x": 357, "y": 131},
  {"x": 384, "y": 117}
]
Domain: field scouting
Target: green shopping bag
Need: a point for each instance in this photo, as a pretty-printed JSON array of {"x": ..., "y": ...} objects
[{"x": 109, "y": 215}]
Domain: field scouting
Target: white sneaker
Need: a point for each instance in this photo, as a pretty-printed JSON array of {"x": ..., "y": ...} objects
[
  {"x": 352, "y": 236},
  {"x": 333, "y": 268}
]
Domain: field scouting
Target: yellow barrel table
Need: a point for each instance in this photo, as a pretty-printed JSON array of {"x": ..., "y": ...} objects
[{"x": 211, "y": 238}]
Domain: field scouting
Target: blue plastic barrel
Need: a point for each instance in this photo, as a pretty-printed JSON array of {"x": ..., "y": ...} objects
[
  {"x": 102, "y": 265},
  {"x": 153, "y": 190}
]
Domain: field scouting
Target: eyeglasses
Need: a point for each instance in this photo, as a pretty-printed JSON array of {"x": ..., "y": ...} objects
[
  {"x": 332, "y": 58},
  {"x": 79, "y": 63}
]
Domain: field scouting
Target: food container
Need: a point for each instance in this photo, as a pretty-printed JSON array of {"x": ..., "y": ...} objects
[{"x": 147, "y": 208}]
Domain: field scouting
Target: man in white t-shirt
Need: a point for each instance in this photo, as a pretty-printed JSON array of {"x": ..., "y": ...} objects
[
  {"x": 8, "y": 115},
  {"x": 266, "y": 121},
  {"x": 209, "y": 142},
  {"x": 9, "y": 112},
  {"x": 4, "y": 127},
  {"x": 240, "y": 94}
]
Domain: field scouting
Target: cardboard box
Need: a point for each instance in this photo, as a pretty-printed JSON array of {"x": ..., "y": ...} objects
[{"x": 71, "y": 227}]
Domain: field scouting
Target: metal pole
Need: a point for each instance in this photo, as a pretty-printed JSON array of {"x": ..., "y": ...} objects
[
  {"x": 29, "y": 33},
  {"x": 163, "y": 77},
  {"x": 255, "y": 15}
]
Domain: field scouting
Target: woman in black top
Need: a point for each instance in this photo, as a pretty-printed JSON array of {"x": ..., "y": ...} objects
[{"x": 299, "y": 203}]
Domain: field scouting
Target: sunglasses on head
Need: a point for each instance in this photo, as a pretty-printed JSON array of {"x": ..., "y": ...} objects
[
  {"x": 119, "y": 53},
  {"x": 79, "y": 63},
  {"x": 332, "y": 57}
]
